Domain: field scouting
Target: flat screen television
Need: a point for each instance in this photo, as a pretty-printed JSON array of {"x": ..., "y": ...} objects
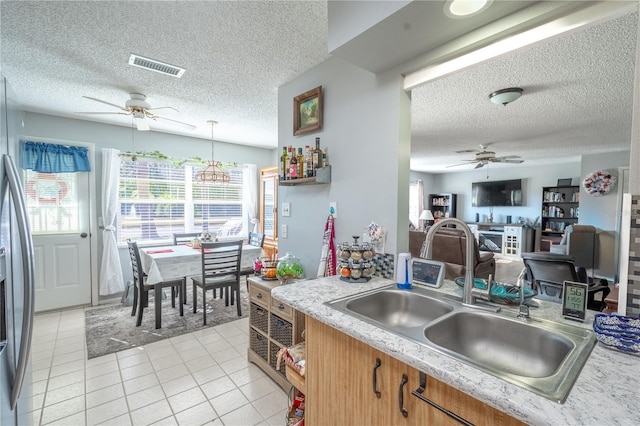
[{"x": 496, "y": 193}]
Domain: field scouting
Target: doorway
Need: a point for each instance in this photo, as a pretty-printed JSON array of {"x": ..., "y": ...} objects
[{"x": 58, "y": 206}]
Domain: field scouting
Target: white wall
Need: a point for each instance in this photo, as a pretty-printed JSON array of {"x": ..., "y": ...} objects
[
  {"x": 603, "y": 211},
  {"x": 366, "y": 130},
  {"x": 533, "y": 179}
]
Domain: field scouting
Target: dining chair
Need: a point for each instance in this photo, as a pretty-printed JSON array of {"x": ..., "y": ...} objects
[
  {"x": 184, "y": 238},
  {"x": 220, "y": 270},
  {"x": 256, "y": 240},
  {"x": 142, "y": 288},
  {"x": 180, "y": 239}
]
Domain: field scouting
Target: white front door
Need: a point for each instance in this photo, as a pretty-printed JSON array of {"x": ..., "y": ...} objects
[{"x": 58, "y": 206}]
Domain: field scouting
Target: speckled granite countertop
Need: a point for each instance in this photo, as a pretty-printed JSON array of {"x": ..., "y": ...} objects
[{"x": 605, "y": 393}]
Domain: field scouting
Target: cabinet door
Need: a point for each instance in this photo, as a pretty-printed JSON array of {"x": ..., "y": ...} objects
[{"x": 339, "y": 380}]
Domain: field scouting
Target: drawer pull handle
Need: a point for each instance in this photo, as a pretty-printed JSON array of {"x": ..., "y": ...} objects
[
  {"x": 375, "y": 377},
  {"x": 281, "y": 306},
  {"x": 403, "y": 410},
  {"x": 259, "y": 295}
]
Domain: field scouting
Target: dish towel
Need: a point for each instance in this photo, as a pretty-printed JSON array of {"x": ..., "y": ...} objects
[{"x": 327, "y": 265}]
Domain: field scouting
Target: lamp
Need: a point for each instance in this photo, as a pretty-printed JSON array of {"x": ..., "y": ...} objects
[
  {"x": 427, "y": 216},
  {"x": 212, "y": 173},
  {"x": 505, "y": 96}
]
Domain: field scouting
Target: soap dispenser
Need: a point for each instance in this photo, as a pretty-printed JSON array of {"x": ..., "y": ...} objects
[{"x": 403, "y": 271}]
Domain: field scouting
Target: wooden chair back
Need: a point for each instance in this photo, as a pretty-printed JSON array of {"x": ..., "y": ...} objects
[
  {"x": 256, "y": 240},
  {"x": 184, "y": 238}
]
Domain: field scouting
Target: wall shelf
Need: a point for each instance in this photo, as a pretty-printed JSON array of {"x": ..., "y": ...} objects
[{"x": 323, "y": 176}]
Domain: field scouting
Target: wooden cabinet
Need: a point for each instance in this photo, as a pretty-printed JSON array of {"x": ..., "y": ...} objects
[
  {"x": 513, "y": 241},
  {"x": 269, "y": 209},
  {"x": 344, "y": 374},
  {"x": 272, "y": 325},
  {"x": 442, "y": 205},
  {"x": 559, "y": 210}
]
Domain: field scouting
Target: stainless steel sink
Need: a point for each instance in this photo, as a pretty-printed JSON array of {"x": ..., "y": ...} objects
[
  {"x": 542, "y": 356},
  {"x": 509, "y": 346},
  {"x": 399, "y": 308}
]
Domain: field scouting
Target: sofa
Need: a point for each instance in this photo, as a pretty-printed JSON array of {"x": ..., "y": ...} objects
[{"x": 449, "y": 246}]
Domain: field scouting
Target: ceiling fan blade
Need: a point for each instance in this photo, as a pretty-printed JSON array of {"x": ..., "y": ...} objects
[
  {"x": 507, "y": 157},
  {"x": 108, "y": 113},
  {"x": 176, "y": 121},
  {"x": 105, "y": 102},
  {"x": 479, "y": 165},
  {"x": 151, "y": 110},
  {"x": 142, "y": 124},
  {"x": 466, "y": 151},
  {"x": 512, "y": 161}
]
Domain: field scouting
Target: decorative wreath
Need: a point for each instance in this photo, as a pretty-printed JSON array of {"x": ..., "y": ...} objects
[{"x": 598, "y": 183}]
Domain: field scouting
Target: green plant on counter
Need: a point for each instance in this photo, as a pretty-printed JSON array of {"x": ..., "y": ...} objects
[{"x": 287, "y": 270}]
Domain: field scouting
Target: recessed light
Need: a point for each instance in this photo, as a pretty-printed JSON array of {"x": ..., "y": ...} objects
[{"x": 459, "y": 9}]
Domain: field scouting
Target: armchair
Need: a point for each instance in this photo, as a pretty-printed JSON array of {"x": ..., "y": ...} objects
[
  {"x": 578, "y": 241},
  {"x": 449, "y": 246},
  {"x": 548, "y": 271}
]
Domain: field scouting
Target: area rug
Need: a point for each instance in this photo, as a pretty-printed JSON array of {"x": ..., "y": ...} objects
[{"x": 112, "y": 328}]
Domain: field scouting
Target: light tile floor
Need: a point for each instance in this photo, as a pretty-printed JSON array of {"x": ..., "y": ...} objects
[{"x": 198, "y": 378}]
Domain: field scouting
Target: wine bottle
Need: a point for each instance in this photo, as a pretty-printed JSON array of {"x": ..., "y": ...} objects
[
  {"x": 300, "y": 163},
  {"x": 317, "y": 156},
  {"x": 288, "y": 163},
  {"x": 293, "y": 165},
  {"x": 283, "y": 164},
  {"x": 309, "y": 161}
]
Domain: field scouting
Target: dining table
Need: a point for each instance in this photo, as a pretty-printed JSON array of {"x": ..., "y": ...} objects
[{"x": 162, "y": 263}]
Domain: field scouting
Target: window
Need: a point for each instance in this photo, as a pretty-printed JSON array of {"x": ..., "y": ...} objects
[{"x": 159, "y": 199}]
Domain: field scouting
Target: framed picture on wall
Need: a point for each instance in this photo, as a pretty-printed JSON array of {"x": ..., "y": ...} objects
[
  {"x": 307, "y": 111},
  {"x": 564, "y": 182}
]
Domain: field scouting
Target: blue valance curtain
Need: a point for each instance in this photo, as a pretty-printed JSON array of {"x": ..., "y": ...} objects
[{"x": 51, "y": 158}]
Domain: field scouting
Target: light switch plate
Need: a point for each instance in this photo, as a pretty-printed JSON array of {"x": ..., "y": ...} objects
[{"x": 286, "y": 209}]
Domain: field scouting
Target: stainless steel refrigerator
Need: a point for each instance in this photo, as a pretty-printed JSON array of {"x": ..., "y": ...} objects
[{"x": 16, "y": 276}]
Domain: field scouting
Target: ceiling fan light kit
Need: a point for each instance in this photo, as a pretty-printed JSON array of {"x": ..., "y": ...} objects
[
  {"x": 505, "y": 96},
  {"x": 212, "y": 173}
]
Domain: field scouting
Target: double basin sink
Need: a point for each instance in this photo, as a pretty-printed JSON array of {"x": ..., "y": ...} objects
[{"x": 542, "y": 356}]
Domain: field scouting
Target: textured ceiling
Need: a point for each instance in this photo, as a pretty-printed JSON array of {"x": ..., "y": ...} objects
[
  {"x": 236, "y": 54},
  {"x": 577, "y": 99}
]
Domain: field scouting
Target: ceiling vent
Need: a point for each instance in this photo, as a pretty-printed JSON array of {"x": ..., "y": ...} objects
[{"x": 153, "y": 65}]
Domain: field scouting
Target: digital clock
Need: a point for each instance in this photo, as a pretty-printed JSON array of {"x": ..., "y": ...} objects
[
  {"x": 574, "y": 300},
  {"x": 427, "y": 272}
]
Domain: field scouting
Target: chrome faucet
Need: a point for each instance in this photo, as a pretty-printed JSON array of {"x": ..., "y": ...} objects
[
  {"x": 523, "y": 311},
  {"x": 468, "y": 297}
]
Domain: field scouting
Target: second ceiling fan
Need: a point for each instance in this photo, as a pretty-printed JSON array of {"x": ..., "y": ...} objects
[
  {"x": 484, "y": 157},
  {"x": 138, "y": 107}
]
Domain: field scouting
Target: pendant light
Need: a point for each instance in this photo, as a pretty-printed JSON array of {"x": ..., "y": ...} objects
[{"x": 212, "y": 173}]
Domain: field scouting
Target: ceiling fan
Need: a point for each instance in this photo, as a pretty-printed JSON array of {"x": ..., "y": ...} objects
[
  {"x": 139, "y": 109},
  {"x": 484, "y": 157}
]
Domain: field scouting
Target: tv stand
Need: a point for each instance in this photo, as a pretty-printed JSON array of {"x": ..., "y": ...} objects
[{"x": 509, "y": 239}]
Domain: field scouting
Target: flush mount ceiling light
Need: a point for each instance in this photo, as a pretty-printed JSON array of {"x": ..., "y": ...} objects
[
  {"x": 505, "y": 96},
  {"x": 459, "y": 9},
  {"x": 212, "y": 173}
]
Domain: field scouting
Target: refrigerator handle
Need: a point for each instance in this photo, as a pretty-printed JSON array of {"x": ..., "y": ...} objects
[{"x": 28, "y": 272}]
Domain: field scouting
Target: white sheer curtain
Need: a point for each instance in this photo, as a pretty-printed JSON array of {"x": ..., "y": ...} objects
[
  {"x": 111, "y": 280},
  {"x": 250, "y": 194}
]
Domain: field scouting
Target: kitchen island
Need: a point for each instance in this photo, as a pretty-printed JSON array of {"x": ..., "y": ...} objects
[{"x": 605, "y": 392}]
